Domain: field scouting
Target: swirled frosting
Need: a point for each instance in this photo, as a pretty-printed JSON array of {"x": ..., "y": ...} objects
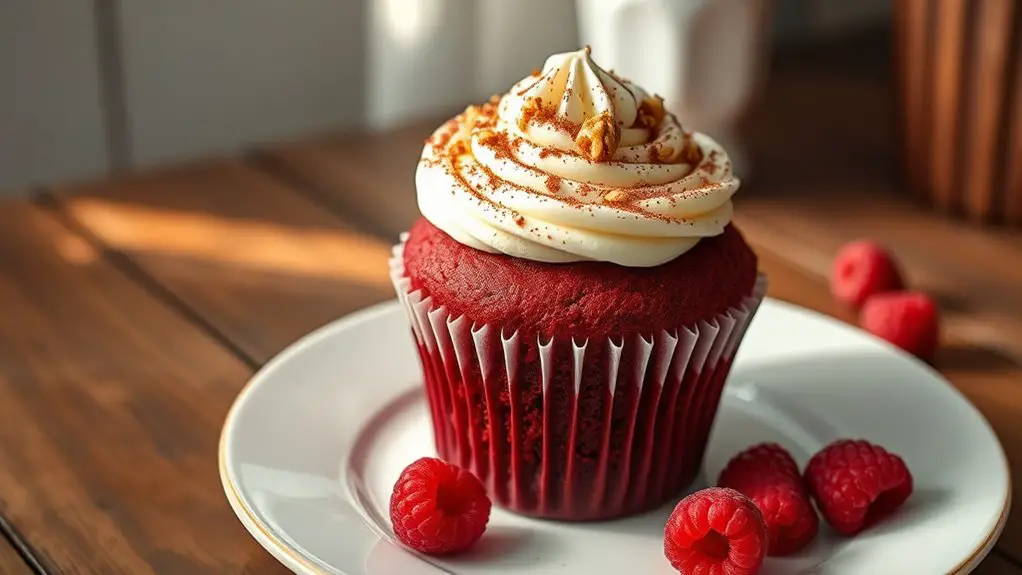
[{"x": 575, "y": 163}]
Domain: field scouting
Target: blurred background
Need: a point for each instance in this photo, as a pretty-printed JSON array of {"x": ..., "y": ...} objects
[{"x": 96, "y": 86}]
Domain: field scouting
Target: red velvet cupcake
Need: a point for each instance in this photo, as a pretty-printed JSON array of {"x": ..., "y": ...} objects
[{"x": 576, "y": 293}]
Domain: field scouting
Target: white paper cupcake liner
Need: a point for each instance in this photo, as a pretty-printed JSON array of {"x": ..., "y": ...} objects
[{"x": 573, "y": 430}]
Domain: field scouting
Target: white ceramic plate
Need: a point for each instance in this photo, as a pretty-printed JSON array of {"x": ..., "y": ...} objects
[{"x": 314, "y": 443}]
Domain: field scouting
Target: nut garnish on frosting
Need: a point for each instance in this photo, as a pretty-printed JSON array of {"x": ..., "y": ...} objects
[
  {"x": 598, "y": 137},
  {"x": 575, "y": 163}
]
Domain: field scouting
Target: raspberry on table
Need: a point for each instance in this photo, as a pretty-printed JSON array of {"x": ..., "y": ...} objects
[
  {"x": 857, "y": 484},
  {"x": 860, "y": 269},
  {"x": 768, "y": 475},
  {"x": 907, "y": 319},
  {"x": 438, "y": 508},
  {"x": 716, "y": 531}
]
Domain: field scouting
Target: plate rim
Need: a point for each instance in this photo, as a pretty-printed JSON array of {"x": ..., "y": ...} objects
[{"x": 294, "y": 560}]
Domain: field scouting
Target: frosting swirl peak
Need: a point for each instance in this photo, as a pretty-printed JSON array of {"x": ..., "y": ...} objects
[
  {"x": 575, "y": 163},
  {"x": 572, "y": 93}
]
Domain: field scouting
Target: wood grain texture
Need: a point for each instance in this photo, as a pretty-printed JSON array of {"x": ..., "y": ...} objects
[
  {"x": 996, "y": 565},
  {"x": 10, "y": 562},
  {"x": 1013, "y": 149},
  {"x": 821, "y": 178},
  {"x": 111, "y": 404},
  {"x": 261, "y": 264},
  {"x": 990, "y": 60},
  {"x": 956, "y": 61},
  {"x": 370, "y": 178},
  {"x": 949, "y": 41},
  {"x": 914, "y": 32}
]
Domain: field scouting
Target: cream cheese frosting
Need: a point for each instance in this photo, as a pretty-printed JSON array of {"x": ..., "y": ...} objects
[{"x": 573, "y": 164}]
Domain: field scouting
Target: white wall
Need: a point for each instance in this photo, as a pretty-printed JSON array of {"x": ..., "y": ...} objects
[
  {"x": 202, "y": 76},
  {"x": 86, "y": 87},
  {"x": 51, "y": 118}
]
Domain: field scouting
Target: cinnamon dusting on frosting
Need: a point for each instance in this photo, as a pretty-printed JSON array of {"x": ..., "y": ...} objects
[
  {"x": 498, "y": 142},
  {"x": 690, "y": 151},
  {"x": 553, "y": 184},
  {"x": 536, "y": 112},
  {"x": 659, "y": 153},
  {"x": 614, "y": 155}
]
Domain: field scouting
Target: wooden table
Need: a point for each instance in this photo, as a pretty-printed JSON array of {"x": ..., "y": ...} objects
[{"x": 135, "y": 309}]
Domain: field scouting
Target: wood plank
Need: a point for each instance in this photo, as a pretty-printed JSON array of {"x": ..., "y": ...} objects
[
  {"x": 820, "y": 178},
  {"x": 260, "y": 263},
  {"x": 10, "y": 562},
  {"x": 111, "y": 403},
  {"x": 915, "y": 65},
  {"x": 987, "y": 117},
  {"x": 964, "y": 266},
  {"x": 1013, "y": 148},
  {"x": 947, "y": 89},
  {"x": 370, "y": 177},
  {"x": 997, "y": 565}
]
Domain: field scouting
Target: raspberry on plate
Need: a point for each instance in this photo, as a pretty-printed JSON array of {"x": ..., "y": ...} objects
[
  {"x": 761, "y": 458},
  {"x": 438, "y": 508},
  {"x": 768, "y": 475},
  {"x": 908, "y": 319},
  {"x": 716, "y": 531},
  {"x": 860, "y": 269},
  {"x": 856, "y": 484}
]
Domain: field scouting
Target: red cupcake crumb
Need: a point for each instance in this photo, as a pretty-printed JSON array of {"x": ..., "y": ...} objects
[{"x": 583, "y": 299}]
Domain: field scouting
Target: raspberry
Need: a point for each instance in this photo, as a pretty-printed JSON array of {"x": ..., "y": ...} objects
[
  {"x": 861, "y": 269},
  {"x": 908, "y": 319},
  {"x": 856, "y": 484},
  {"x": 716, "y": 531},
  {"x": 768, "y": 475},
  {"x": 761, "y": 458},
  {"x": 438, "y": 508}
]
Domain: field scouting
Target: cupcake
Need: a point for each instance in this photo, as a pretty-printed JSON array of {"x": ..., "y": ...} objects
[{"x": 576, "y": 292}]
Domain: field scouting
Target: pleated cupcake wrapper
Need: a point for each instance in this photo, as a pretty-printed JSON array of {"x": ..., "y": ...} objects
[{"x": 573, "y": 430}]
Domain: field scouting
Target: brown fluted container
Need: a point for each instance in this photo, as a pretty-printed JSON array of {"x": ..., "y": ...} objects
[{"x": 959, "y": 72}]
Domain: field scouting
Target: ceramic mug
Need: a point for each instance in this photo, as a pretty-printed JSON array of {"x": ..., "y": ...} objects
[{"x": 704, "y": 57}]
